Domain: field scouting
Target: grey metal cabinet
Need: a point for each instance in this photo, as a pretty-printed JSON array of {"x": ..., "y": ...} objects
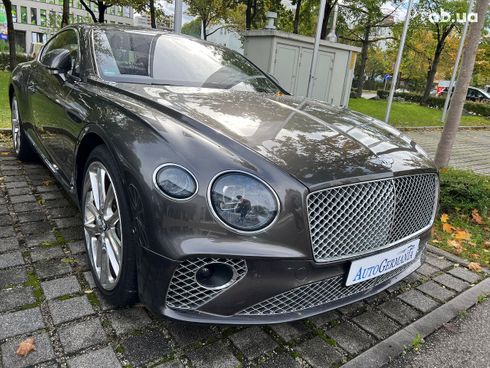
[{"x": 288, "y": 58}]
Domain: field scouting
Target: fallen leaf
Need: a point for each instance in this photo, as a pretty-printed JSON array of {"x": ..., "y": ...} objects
[
  {"x": 444, "y": 218},
  {"x": 486, "y": 244},
  {"x": 475, "y": 256},
  {"x": 435, "y": 241},
  {"x": 454, "y": 243},
  {"x": 26, "y": 347},
  {"x": 474, "y": 266},
  {"x": 458, "y": 251},
  {"x": 462, "y": 235},
  {"x": 476, "y": 217},
  {"x": 448, "y": 228}
]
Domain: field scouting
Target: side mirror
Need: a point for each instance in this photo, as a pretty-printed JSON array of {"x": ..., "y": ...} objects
[{"x": 58, "y": 61}]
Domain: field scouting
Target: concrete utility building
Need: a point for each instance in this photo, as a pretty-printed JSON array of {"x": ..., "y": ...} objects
[{"x": 34, "y": 21}]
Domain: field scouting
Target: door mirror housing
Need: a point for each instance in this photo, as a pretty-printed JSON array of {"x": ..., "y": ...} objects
[{"x": 58, "y": 61}]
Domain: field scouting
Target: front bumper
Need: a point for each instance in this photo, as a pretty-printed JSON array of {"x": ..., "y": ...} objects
[{"x": 271, "y": 291}]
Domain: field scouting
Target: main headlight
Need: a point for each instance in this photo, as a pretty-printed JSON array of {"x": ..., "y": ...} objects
[
  {"x": 243, "y": 202},
  {"x": 175, "y": 181}
]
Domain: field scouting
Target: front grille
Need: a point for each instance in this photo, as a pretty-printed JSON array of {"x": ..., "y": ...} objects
[
  {"x": 317, "y": 293},
  {"x": 357, "y": 219},
  {"x": 185, "y": 293}
]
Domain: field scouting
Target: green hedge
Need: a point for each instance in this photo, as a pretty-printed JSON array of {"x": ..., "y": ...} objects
[
  {"x": 5, "y": 62},
  {"x": 478, "y": 108},
  {"x": 464, "y": 190}
]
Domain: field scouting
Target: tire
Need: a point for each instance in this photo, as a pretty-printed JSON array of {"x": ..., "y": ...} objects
[
  {"x": 107, "y": 227},
  {"x": 22, "y": 147}
]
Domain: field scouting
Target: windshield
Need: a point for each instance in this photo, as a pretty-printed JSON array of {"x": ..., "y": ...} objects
[{"x": 159, "y": 58}]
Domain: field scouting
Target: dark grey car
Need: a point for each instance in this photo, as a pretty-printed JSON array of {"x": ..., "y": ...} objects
[{"x": 208, "y": 192}]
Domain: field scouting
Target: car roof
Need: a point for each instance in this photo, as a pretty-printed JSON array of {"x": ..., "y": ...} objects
[{"x": 119, "y": 27}]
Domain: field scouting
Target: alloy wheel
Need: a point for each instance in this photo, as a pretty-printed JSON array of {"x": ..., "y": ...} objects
[
  {"x": 102, "y": 225},
  {"x": 15, "y": 126}
]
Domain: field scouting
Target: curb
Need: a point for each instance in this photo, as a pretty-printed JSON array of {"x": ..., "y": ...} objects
[
  {"x": 453, "y": 258},
  {"x": 390, "y": 348},
  {"x": 475, "y": 127}
]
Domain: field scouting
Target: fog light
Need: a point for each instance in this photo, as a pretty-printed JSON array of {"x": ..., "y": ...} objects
[{"x": 215, "y": 276}]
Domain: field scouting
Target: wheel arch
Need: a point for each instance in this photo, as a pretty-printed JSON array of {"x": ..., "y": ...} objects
[{"x": 86, "y": 145}]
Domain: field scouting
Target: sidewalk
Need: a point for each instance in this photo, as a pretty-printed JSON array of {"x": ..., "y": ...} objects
[
  {"x": 471, "y": 150},
  {"x": 462, "y": 343}
]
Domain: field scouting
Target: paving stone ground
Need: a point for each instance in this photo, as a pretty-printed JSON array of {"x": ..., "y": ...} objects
[
  {"x": 469, "y": 152},
  {"x": 47, "y": 292}
]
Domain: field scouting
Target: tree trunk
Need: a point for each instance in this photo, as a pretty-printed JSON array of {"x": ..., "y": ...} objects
[
  {"x": 296, "y": 17},
  {"x": 432, "y": 72},
  {"x": 65, "y": 18},
  {"x": 455, "y": 111},
  {"x": 204, "y": 31},
  {"x": 248, "y": 15},
  {"x": 326, "y": 17},
  {"x": 362, "y": 66},
  {"x": 11, "y": 34},
  {"x": 153, "y": 17},
  {"x": 102, "y": 8}
]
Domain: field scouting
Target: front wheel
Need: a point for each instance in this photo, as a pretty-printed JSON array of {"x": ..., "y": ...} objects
[
  {"x": 22, "y": 146},
  {"x": 106, "y": 226}
]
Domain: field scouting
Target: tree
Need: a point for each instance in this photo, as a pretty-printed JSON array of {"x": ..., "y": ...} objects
[
  {"x": 363, "y": 20},
  {"x": 438, "y": 16},
  {"x": 192, "y": 28},
  {"x": 297, "y": 14},
  {"x": 65, "y": 18},
  {"x": 11, "y": 34},
  {"x": 455, "y": 111},
  {"x": 153, "y": 17},
  {"x": 326, "y": 17},
  {"x": 209, "y": 12},
  {"x": 102, "y": 7}
]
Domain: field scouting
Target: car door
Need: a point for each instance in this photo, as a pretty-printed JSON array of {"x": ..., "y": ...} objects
[{"x": 56, "y": 112}]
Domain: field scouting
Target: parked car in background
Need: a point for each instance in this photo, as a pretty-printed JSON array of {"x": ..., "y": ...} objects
[
  {"x": 473, "y": 94},
  {"x": 209, "y": 193}
]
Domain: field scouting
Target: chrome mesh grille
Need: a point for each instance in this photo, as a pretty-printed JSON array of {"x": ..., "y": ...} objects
[
  {"x": 185, "y": 293},
  {"x": 356, "y": 219},
  {"x": 317, "y": 293}
]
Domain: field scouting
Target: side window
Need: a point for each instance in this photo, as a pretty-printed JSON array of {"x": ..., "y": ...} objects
[{"x": 65, "y": 40}]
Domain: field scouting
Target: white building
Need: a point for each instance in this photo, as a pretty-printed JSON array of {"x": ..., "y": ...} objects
[
  {"x": 143, "y": 20},
  {"x": 35, "y": 21}
]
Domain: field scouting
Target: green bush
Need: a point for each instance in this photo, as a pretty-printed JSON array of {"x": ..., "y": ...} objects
[
  {"x": 5, "y": 62},
  {"x": 478, "y": 108},
  {"x": 463, "y": 191}
]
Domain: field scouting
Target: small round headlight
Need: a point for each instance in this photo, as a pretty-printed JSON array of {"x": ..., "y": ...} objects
[
  {"x": 243, "y": 202},
  {"x": 175, "y": 181}
]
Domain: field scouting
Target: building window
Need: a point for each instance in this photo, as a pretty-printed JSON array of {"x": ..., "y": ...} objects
[
  {"x": 14, "y": 13},
  {"x": 23, "y": 14},
  {"x": 43, "y": 17},
  {"x": 34, "y": 16},
  {"x": 38, "y": 37}
]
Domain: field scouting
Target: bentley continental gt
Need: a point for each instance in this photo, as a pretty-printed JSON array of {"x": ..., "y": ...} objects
[{"x": 208, "y": 192}]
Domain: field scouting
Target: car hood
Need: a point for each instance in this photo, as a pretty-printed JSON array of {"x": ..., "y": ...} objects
[{"x": 312, "y": 141}]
